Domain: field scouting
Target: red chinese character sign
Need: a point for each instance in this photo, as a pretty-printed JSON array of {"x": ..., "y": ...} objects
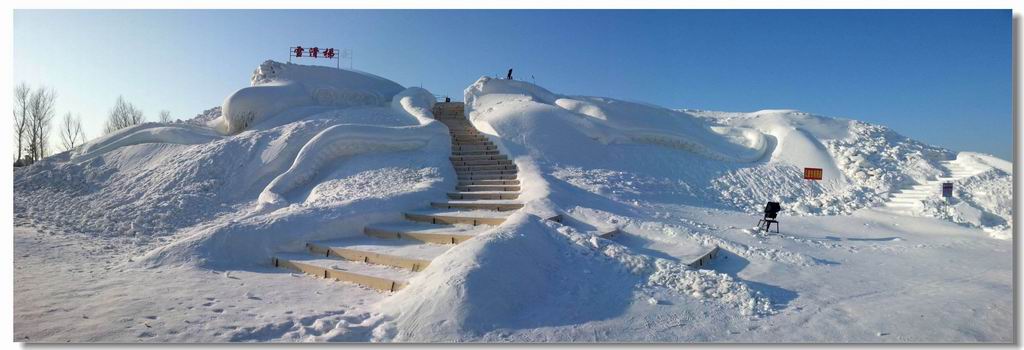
[
  {"x": 813, "y": 173},
  {"x": 317, "y": 52}
]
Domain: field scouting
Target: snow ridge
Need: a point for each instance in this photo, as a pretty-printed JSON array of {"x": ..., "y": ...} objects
[
  {"x": 180, "y": 134},
  {"x": 700, "y": 284},
  {"x": 336, "y": 142},
  {"x": 347, "y": 140},
  {"x": 279, "y": 86},
  {"x": 615, "y": 121}
]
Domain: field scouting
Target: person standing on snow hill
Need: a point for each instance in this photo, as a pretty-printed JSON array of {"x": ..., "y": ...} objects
[{"x": 509, "y": 77}]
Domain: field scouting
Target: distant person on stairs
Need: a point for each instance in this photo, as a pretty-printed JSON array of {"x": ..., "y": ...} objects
[{"x": 509, "y": 77}]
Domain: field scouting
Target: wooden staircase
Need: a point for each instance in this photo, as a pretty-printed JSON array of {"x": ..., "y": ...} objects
[{"x": 389, "y": 254}]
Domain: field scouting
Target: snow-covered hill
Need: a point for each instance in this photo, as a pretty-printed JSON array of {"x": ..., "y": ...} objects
[
  {"x": 309, "y": 153},
  {"x": 723, "y": 160},
  {"x": 163, "y": 186}
]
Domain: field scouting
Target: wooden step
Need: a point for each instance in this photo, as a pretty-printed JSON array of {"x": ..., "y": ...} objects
[
  {"x": 424, "y": 232},
  {"x": 396, "y": 253},
  {"x": 474, "y": 148},
  {"x": 483, "y": 195},
  {"x": 499, "y": 205},
  {"x": 487, "y": 177},
  {"x": 496, "y": 164},
  {"x": 478, "y": 162},
  {"x": 475, "y": 173},
  {"x": 458, "y": 153},
  {"x": 474, "y": 217},
  {"x": 478, "y": 157},
  {"x": 469, "y": 138},
  {"x": 489, "y": 182},
  {"x": 373, "y": 276},
  {"x": 485, "y": 168},
  {"x": 475, "y": 188},
  {"x": 473, "y": 143}
]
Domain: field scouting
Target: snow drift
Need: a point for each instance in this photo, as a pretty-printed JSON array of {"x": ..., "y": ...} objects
[
  {"x": 529, "y": 274},
  {"x": 193, "y": 194},
  {"x": 310, "y": 153},
  {"x": 983, "y": 200},
  {"x": 284, "y": 219},
  {"x": 348, "y": 140},
  {"x": 278, "y": 86},
  {"x": 614, "y": 121},
  {"x": 638, "y": 152},
  {"x": 181, "y": 134}
]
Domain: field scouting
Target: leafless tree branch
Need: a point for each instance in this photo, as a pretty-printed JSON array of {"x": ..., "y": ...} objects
[{"x": 123, "y": 115}]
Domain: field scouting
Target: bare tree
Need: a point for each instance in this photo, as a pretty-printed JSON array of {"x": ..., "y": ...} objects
[
  {"x": 123, "y": 115},
  {"x": 71, "y": 134},
  {"x": 21, "y": 98},
  {"x": 41, "y": 110},
  {"x": 165, "y": 116}
]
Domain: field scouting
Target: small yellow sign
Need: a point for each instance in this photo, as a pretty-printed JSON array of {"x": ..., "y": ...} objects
[{"x": 813, "y": 173}]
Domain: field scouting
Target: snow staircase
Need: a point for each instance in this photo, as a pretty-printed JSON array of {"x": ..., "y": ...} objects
[
  {"x": 389, "y": 254},
  {"x": 907, "y": 200}
]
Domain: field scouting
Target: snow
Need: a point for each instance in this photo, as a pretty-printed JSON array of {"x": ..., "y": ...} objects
[
  {"x": 279, "y": 86},
  {"x": 205, "y": 118},
  {"x": 346, "y": 140},
  {"x": 111, "y": 303},
  {"x": 612, "y": 121},
  {"x": 531, "y": 274},
  {"x": 379, "y": 183},
  {"x": 184, "y": 194},
  {"x": 163, "y": 232},
  {"x": 336, "y": 142},
  {"x": 400, "y": 247},
  {"x": 983, "y": 200},
  {"x": 982, "y": 160},
  {"x": 182, "y": 134}
]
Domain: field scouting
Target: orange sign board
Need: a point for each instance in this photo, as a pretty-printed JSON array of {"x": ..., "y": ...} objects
[{"x": 812, "y": 173}]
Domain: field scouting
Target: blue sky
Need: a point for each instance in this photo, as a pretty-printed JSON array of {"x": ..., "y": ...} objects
[{"x": 942, "y": 77}]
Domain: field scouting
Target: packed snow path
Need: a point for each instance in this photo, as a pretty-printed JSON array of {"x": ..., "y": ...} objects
[
  {"x": 391, "y": 253},
  {"x": 907, "y": 201}
]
